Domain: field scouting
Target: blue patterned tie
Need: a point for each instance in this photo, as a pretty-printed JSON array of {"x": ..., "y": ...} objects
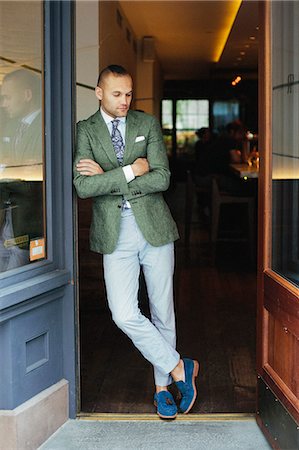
[{"x": 117, "y": 141}]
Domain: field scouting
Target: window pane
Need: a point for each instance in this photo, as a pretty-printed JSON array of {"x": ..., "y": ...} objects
[
  {"x": 22, "y": 237},
  {"x": 224, "y": 113},
  {"x": 285, "y": 150},
  {"x": 190, "y": 116},
  {"x": 167, "y": 114},
  {"x": 167, "y": 124}
]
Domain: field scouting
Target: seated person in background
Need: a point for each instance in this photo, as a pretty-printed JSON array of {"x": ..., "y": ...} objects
[
  {"x": 21, "y": 152},
  {"x": 201, "y": 172},
  {"x": 202, "y": 151},
  {"x": 226, "y": 150}
]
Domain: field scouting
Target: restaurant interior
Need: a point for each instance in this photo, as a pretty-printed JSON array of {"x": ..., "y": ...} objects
[{"x": 208, "y": 52}]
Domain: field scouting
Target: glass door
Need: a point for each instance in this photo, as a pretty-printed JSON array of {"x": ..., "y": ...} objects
[{"x": 278, "y": 277}]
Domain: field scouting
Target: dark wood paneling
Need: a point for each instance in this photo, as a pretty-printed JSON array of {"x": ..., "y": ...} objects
[
  {"x": 281, "y": 335},
  {"x": 282, "y": 298}
]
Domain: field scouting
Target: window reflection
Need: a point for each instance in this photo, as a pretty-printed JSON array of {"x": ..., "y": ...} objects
[
  {"x": 22, "y": 237},
  {"x": 285, "y": 153}
]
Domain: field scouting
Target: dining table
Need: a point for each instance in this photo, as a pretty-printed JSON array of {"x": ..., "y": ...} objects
[{"x": 244, "y": 170}]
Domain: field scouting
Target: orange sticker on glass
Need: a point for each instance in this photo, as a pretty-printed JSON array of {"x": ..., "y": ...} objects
[{"x": 37, "y": 249}]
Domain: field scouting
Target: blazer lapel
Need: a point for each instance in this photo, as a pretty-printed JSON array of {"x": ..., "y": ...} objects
[
  {"x": 131, "y": 134},
  {"x": 102, "y": 136}
]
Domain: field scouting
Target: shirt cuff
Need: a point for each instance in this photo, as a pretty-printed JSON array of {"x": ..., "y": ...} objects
[{"x": 129, "y": 174}]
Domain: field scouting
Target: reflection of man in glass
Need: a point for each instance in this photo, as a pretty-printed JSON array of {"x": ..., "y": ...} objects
[
  {"x": 20, "y": 157},
  {"x": 20, "y": 93}
]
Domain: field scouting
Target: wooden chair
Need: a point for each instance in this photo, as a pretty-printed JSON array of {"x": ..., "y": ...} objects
[
  {"x": 220, "y": 198},
  {"x": 192, "y": 192}
]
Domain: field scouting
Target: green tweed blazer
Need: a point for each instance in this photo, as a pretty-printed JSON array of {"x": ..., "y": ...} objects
[{"x": 143, "y": 139}]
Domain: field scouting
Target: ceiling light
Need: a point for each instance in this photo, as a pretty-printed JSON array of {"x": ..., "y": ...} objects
[
  {"x": 247, "y": 46},
  {"x": 233, "y": 8},
  {"x": 242, "y": 53},
  {"x": 236, "y": 80},
  {"x": 252, "y": 38},
  {"x": 239, "y": 59}
]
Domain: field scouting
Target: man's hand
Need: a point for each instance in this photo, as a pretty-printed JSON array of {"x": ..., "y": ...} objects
[
  {"x": 89, "y": 167},
  {"x": 140, "y": 167}
]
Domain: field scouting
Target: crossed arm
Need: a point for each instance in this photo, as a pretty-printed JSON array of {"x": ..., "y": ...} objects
[
  {"x": 150, "y": 174},
  {"x": 88, "y": 167}
]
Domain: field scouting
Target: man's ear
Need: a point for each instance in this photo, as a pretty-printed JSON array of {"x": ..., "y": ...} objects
[
  {"x": 28, "y": 95},
  {"x": 99, "y": 92}
]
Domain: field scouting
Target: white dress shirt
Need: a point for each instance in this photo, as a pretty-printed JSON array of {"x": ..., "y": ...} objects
[{"x": 128, "y": 171}]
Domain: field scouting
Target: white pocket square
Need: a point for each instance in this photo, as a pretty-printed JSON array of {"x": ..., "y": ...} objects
[{"x": 139, "y": 138}]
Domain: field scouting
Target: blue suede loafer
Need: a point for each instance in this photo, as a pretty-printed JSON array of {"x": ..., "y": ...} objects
[
  {"x": 166, "y": 407},
  {"x": 187, "y": 388}
]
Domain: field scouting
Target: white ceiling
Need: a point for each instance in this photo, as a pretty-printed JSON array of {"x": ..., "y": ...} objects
[{"x": 187, "y": 34}]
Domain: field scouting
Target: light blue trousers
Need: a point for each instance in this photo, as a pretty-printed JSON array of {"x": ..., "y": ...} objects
[{"x": 155, "y": 338}]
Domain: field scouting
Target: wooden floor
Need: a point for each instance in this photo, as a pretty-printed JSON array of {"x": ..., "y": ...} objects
[{"x": 215, "y": 308}]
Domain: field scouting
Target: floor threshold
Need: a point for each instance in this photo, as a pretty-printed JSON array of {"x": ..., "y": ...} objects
[{"x": 154, "y": 417}]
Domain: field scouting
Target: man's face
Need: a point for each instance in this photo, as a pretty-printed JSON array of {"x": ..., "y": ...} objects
[
  {"x": 15, "y": 99},
  {"x": 115, "y": 93}
]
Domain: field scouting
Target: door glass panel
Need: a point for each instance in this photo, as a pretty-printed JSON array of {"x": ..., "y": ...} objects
[
  {"x": 285, "y": 144},
  {"x": 22, "y": 236}
]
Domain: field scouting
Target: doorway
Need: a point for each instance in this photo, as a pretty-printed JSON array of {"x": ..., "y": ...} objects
[{"x": 205, "y": 297}]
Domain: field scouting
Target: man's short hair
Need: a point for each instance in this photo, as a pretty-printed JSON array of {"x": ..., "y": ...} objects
[
  {"x": 234, "y": 127},
  {"x": 26, "y": 79},
  {"x": 114, "y": 69}
]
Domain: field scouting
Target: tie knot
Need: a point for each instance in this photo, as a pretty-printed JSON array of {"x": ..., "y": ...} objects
[{"x": 115, "y": 123}]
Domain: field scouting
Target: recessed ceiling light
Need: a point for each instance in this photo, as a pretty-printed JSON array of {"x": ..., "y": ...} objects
[
  {"x": 257, "y": 27},
  {"x": 242, "y": 53},
  {"x": 252, "y": 38},
  {"x": 247, "y": 46},
  {"x": 239, "y": 59}
]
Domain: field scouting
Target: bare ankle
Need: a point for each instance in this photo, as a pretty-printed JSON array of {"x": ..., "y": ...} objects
[
  {"x": 161, "y": 388},
  {"x": 178, "y": 373}
]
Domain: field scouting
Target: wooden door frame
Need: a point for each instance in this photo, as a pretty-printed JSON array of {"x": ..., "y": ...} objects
[{"x": 264, "y": 188}]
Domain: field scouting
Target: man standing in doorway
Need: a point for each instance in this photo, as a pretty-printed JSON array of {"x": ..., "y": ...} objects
[{"x": 121, "y": 163}]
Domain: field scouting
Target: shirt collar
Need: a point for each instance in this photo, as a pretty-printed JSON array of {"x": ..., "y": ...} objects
[
  {"x": 30, "y": 117},
  {"x": 109, "y": 119}
]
